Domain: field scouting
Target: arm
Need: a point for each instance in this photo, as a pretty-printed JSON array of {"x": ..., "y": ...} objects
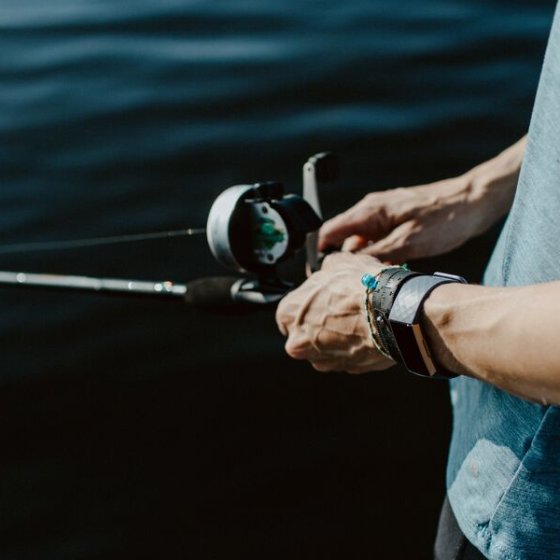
[
  {"x": 428, "y": 220},
  {"x": 505, "y": 336}
]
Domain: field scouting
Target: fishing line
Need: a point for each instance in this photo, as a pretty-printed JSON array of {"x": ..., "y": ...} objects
[
  {"x": 96, "y": 241},
  {"x": 251, "y": 229}
]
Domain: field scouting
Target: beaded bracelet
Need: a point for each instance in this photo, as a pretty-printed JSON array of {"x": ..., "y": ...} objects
[{"x": 370, "y": 282}]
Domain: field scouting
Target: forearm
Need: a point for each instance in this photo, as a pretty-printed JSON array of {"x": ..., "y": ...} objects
[
  {"x": 505, "y": 336},
  {"x": 492, "y": 184}
]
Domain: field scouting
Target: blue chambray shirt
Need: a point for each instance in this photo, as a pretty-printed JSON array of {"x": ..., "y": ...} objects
[{"x": 503, "y": 475}]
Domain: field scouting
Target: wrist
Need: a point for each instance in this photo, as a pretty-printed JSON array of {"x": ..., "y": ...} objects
[
  {"x": 398, "y": 296},
  {"x": 440, "y": 323}
]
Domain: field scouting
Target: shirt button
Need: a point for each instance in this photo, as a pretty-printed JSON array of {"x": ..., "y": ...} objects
[{"x": 474, "y": 467}]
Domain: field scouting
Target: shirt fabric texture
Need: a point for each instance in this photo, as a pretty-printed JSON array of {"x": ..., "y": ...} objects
[{"x": 503, "y": 476}]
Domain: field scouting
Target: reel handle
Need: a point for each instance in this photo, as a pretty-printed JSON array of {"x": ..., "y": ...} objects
[{"x": 320, "y": 168}]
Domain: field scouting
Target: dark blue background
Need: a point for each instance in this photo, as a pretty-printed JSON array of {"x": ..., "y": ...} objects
[{"x": 146, "y": 429}]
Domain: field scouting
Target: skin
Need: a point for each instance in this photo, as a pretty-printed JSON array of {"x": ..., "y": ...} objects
[{"x": 324, "y": 319}]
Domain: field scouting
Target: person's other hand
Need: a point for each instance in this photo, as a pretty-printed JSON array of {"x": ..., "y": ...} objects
[
  {"x": 408, "y": 223},
  {"x": 324, "y": 318}
]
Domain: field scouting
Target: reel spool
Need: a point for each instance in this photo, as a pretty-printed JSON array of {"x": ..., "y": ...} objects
[{"x": 251, "y": 228}]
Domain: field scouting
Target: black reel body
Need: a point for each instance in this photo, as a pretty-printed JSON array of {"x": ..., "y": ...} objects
[{"x": 252, "y": 228}]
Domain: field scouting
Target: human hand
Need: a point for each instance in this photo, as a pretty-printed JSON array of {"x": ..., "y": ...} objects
[
  {"x": 428, "y": 220},
  {"x": 407, "y": 223},
  {"x": 324, "y": 318}
]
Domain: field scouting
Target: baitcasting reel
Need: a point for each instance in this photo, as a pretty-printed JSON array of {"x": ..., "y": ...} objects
[
  {"x": 253, "y": 227},
  {"x": 250, "y": 229}
]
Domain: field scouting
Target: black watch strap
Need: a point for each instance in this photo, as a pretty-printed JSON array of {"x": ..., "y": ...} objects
[
  {"x": 404, "y": 319},
  {"x": 408, "y": 306}
]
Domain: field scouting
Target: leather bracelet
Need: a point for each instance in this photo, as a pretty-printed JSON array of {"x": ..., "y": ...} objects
[{"x": 389, "y": 282}]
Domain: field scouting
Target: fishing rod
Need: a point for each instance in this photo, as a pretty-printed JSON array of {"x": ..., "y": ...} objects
[{"x": 250, "y": 229}]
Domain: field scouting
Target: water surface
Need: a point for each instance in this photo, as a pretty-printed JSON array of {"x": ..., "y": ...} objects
[{"x": 134, "y": 428}]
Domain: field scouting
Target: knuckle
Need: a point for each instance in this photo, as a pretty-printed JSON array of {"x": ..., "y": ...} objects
[
  {"x": 295, "y": 348},
  {"x": 372, "y": 198}
]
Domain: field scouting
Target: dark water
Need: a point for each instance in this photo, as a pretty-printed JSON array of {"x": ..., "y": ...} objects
[{"x": 145, "y": 429}]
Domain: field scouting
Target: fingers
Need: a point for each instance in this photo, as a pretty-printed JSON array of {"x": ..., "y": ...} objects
[
  {"x": 330, "y": 366},
  {"x": 354, "y": 243},
  {"x": 348, "y": 354},
  {"x": 355, "y": 221},
  {"x": 333, "y": 232},
  {"x": 367, "y": 219},
  {"x": 355, "y": 367},
  {"x": 299, "y": 346},
  {"x": 396, "y": 247}
]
